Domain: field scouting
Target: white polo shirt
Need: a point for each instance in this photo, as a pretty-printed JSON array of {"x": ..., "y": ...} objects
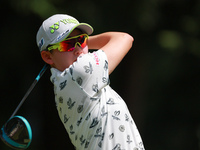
[{"x": 94, "y": 115}]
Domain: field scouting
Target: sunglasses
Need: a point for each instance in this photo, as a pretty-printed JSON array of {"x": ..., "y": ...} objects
[{"x": 70, "y": 44}]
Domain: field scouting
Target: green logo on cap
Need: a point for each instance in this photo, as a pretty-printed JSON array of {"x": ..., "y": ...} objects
[
  {"x": 65, "y": 21},
  {"x": 54, "y": 27}
]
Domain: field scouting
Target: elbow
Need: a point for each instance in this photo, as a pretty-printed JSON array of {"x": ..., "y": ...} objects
[
  {"x": 129, "y": 39},
  {"x": 132, "y": 39}
]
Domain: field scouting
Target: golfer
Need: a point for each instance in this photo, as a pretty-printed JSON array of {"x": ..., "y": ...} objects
[{"x": 94, "y": 115}]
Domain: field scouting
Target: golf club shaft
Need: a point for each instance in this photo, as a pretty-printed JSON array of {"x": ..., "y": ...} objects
[{"x": 30, "y": 89}]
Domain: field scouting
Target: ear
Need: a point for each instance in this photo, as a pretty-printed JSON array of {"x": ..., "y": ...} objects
[{"x": 46, "y": 56}]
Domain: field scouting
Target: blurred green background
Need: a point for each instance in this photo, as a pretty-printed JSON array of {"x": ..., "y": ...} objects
[{"x": 158, "y": 79}]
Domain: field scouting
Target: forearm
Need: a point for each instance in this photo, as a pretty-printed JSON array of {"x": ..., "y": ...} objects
[
  {"x": 98, "y": 41},
  {"x": 101, "y": 40}
]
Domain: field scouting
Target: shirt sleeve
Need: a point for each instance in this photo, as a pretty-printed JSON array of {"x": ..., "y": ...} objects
[{"x": 90, "y": 71}]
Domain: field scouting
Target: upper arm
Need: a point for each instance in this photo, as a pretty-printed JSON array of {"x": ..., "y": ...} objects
[{"x": 114, "y": 44}]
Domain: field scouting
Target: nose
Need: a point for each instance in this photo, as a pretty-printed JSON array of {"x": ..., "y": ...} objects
[{"x": 78, "y": 50}]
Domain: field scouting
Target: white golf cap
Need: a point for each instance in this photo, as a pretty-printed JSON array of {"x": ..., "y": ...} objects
[{"x": 58, "y": 27}]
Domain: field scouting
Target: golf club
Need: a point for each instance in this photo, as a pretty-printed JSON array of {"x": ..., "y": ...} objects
[
  {"x": 30, "y": 89},
  {"x": 17, "y": 132}
]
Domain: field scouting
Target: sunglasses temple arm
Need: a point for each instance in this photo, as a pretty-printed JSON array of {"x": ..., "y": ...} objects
[{"x": 30, "y": 89}]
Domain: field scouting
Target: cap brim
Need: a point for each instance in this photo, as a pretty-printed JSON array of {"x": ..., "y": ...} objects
[{"x": 84, "y": 27}]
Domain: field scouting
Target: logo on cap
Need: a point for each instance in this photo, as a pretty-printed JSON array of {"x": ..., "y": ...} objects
[
  {"x": 55, "y": 27},
  {"x": 41, "y": 43},
  {"x": 62, "y": 34}
]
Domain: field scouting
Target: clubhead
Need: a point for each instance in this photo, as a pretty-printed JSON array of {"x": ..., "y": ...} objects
[{"x": 16, "y": 133}]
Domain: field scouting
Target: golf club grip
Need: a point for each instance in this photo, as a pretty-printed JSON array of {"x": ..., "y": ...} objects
[{"x": 30, "y": 89}]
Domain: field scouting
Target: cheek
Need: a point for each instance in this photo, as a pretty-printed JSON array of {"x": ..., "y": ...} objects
[{"x": 62, "y": 61}]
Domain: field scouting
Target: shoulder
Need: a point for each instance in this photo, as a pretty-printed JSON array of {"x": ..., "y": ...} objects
[{"x": 95, "y": 58}]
